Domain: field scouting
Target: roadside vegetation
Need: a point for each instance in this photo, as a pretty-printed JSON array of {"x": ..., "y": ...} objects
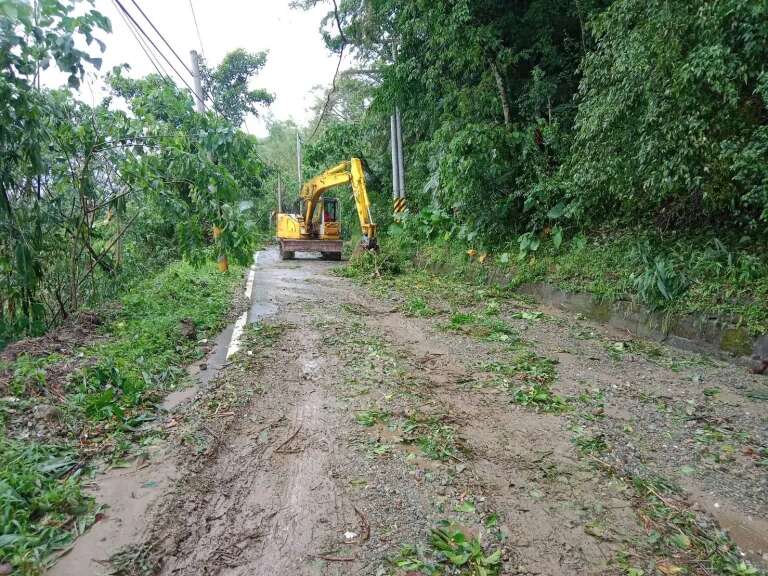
[
  {"x": 64, "y": 416},
  {"x": 95, "y": 196},
  {"x": 613, "y": 147},
  {"x": 112, "y": 215}
]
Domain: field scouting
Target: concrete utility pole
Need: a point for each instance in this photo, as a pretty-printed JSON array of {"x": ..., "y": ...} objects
[
  {"x": 279, "y": 193},
  {"x": 199, "y": 105},
  {"x": 298, "y": 160},
  {"x": 400, "y": 160},
  {"x": 395, "y": 163},
  {"x": 398, "y": 164}
]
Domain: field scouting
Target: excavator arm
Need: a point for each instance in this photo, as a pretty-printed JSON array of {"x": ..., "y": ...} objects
[{"x": 350, "y": 172}]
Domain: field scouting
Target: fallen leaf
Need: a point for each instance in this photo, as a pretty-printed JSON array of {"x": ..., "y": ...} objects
[
  {"x": 666, "y": 567},
  {"x": 595, "y": 530},
  {"x": 681, "y": 541}
]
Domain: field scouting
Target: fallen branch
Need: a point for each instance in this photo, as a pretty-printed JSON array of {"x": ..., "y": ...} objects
[
  {"x": 335, "y": 558},
  {"x": 291, "y": 437},
  {"x": 366, "y": 527},
  {"x": 216, "y": 436}
]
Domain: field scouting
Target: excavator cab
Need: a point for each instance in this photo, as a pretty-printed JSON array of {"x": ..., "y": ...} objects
[{"x": 330, "y": 227}]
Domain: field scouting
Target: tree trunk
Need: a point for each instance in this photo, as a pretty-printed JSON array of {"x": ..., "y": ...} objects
[{"x": 502, "y": 94}]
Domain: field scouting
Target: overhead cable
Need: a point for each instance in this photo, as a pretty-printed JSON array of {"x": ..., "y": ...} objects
[
  {"x": 142, "y": 44},
  {"x": 183, "y": 63},
  {"x": 167, "y": 61},
  {"x": 197, "y": 27}
]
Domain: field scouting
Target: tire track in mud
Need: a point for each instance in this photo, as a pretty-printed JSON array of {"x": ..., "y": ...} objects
[
  {"x": 274, "y": 493},
  {"x": 261, "y": 502}
]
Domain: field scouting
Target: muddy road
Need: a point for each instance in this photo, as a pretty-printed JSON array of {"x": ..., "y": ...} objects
[{"x": 347, "y": 428}]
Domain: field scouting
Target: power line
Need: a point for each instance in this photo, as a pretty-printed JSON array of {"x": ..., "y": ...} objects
[
  {"x": 330, "y": 93},
  {"x": 197, "y": 27},
  {"x": 201, "y": 96},
  {"x": 167, "y": 61},
  {"x": 161, "y": 37},
  {"x": 131, "y": 23},
  {"x": 156, "y": 65},
  {"x": 336, "y": 74}
]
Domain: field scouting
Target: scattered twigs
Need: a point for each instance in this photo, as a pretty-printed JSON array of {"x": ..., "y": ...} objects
[
  {"x": 664, "y": 501},
  {"x": 335, "y": 558},
  {"x": 458, "y": 459},
  {"x": 281, "y": 448},
  {"x": 214, "y": 434},
  {"x": 366, "y": 534},
  {"x": 544, "y": 455}
]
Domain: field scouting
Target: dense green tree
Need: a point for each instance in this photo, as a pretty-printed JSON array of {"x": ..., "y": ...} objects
[
  {"x": 92, "y": 196},
  {"x": 31, "y": 41},
  {"x": 227, "y": 85},
  {"x": 672, "y": 118},
  {"x": 534, "y": 117}
]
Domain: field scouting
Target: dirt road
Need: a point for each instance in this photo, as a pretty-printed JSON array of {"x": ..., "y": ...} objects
[{"x": 344, "y": 431}]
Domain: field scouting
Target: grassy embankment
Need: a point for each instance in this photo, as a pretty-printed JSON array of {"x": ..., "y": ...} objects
[
  {"x": 94, "y": 404},
  {"x": 700, "y": 276}
]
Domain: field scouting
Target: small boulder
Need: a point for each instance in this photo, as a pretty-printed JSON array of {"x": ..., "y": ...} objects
[{"x": 759, "y": 359}]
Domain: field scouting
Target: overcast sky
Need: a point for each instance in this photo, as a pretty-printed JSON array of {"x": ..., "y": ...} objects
[{"x": 297, "y": 61}]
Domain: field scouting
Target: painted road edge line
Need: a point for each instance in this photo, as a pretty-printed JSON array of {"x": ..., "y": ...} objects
[{"x": 237, "y": 331}]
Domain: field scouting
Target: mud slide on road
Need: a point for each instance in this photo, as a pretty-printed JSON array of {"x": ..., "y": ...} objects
[{"x": 344, "y": 432}]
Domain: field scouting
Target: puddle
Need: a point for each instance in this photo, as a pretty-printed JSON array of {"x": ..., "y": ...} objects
[
  {"x": 260, "y": 310},
  {"x": 127, "y": 494},
  {"x": 749, "y": 532}
]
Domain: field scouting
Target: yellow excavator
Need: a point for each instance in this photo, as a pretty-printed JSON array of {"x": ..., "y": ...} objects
[{"x": 317, "y": 228}]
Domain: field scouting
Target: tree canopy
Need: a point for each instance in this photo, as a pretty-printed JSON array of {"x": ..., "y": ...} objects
[
  {"x": 525, "y": 117},
  {"x": 227, "y": 85},
  {"x": 93, "y": 195}
]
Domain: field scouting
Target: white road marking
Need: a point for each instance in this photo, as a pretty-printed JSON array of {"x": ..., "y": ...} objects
[
  {"x": 237, "y": 331},
  {"x": 249, "y": 284}
]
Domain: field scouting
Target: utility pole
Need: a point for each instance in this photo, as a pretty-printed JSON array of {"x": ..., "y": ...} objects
[
  {"x": 398, "y": 164},
  {"x": 395, "y": 163},
  {"x": 298, "y": 160},
  {"x": 400, "y": 160},
  {"x": 279, "y": 193},
  {"x": 199, "y": 105}
]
